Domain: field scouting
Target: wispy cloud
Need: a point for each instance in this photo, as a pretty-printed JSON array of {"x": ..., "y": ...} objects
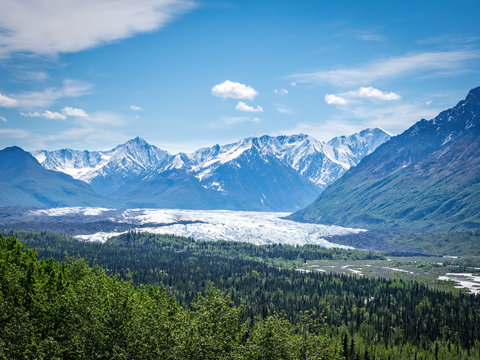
[
  {"x": 15, "y": 133},
  {"x": 368, "y": 92},
  {"x": 368, "y": 36},
  {"x": 135, "y": 108},
  {"x": 45, "y": 98},
  {"x": 80, "y": 116},
  {"x": 52, "y": 115},
  {"x": 394, "y": 118},
  {"x": 453, "y": 39},
  {"x": 234, "y": 90},
  {"x": 280, "y": 91},
  {"x": 103, "y": 118},
  {"x": 6, "y": 101},
  {"x": 241, "y": 106},
  {"x": 30, "y": 76},
  {"x": 232, "y": 120},
  {"x": 396, "y": 66},
  {"x": 283, "y": 110},
  {"x": 4, "y": 119},
  {"x": 52, "y": 26},
  {"x": 227, "y": 122}
]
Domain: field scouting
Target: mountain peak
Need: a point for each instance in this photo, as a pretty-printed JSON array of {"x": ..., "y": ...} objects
[
  {"x": 473, "y": 95},
  {"x": 13, "y": 149},
  {"x": 137, "y": 141}
]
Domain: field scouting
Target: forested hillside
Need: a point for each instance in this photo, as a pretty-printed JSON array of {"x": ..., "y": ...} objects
[
  {"x": 362, "y": 317},
  {"x": 68, "y": 310}
]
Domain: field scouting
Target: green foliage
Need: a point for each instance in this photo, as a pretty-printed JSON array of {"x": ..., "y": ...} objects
[
  {"x": 69, "y": 310},
  {"x": 383, "y": 318}
]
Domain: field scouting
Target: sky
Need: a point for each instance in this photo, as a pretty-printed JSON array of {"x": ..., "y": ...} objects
[{"x": 185, "y": 74}]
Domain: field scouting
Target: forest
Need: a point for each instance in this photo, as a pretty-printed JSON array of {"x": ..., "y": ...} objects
[{"x": 265, "y": 310}]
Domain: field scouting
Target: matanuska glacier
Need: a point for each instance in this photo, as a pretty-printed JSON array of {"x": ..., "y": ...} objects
[{"x": 260, "y": 228}]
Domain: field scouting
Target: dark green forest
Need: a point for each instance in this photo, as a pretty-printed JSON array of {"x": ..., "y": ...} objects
[{"x": 264, "y": 310}]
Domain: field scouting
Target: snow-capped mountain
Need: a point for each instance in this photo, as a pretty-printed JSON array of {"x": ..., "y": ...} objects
[
  {"x": 105, "y": 171},
  {"x": 257, "y": 173}
]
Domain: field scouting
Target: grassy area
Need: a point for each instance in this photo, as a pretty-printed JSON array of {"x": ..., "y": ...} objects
[{"x": 425, "y": 270}]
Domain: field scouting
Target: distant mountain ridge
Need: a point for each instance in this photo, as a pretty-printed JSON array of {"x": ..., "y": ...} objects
[
  {"x": 24, "y": 182},
  {"x": 257, "y": 173},
  {"x": 428, "y": 177}
]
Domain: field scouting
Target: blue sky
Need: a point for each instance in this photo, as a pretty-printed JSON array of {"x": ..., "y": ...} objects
[{"x": 187, "y": 74}]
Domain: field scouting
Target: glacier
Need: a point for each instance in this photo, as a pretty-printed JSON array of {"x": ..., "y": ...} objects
[{"x": 259, "y": 228}]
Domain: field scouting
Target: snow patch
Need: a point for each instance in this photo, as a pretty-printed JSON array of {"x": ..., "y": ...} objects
[
  {"x": 464, "y": 280},
  {"x": 396, "y": 269}
]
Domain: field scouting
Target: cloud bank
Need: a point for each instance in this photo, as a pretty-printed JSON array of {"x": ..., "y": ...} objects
[{"x": 49, "y": 27}]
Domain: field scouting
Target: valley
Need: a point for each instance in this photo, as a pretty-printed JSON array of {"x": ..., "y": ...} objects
[{"x": 239, "y": 180}]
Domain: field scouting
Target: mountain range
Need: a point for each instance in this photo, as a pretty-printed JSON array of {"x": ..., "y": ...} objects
[
  {"x": 24, "y": 182},
  {"x": 428, "y": 177},
  {"x": 267, "y": 173}
]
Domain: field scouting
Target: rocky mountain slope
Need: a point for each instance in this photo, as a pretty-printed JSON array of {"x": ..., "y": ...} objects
[
  {"x": 24, "y": 182},
  {"x": 427, "y": 178}
]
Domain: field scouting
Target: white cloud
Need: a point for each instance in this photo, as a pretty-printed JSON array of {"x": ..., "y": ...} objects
[
  {"x": 362, "y": 92},
  {"x": 135, "y": 108},
  {"x": 47, "y": 97},
  {"x": 81, "y": 117},
  {"x": 335, "y": 99},
  {"x": 4, "y": 119},
  {"x": 6, "y": 101},
  {"x": 371, "y": 92},
  {"x": 293, "y": 83},
  {"x": 234, "y": 90},
  {"x": 74, "y": 112},
  {"x": 283, "y": 110},
  {"x": 53, "y": 115},
  {"x": 59, "y": 26},
  {"x": 241, "y": 106},
  {"x": 280, "y": 91},
  {"x": 423, "y": 62}
]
